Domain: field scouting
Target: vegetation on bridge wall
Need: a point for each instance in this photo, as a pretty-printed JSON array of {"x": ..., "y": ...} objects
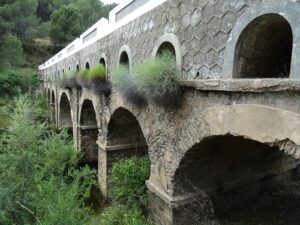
[{"x": 156, "y": 79}]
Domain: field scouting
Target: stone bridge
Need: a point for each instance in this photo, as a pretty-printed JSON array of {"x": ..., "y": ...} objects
[{"x": 238, "y": 128}]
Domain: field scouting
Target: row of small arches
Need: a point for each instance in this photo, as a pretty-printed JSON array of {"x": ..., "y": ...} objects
[{"x": 263, "y": 49}]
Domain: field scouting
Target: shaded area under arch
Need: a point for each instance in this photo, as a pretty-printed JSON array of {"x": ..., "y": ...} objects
[
  {"x": 125, "y": 138},
  {"x": 65, "y": 118},
  {"x": 88, "y": 136},
  {"x": 229, "y": 170}
]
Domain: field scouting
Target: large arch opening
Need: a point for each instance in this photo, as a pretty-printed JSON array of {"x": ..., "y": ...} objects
[
  {"x": 223, "y": 174},
  {"x": 88, "y": 134},
  {"x": 125, "y": 133},
  {"x": 52, "y": 108},
  {"x": 264, "y": 49},
  {"x": 65, "y": 116},
  {"x": 125, "y": 138}
]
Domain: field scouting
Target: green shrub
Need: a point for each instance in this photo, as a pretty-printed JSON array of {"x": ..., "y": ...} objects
[
  {"x": 121, "y": 215},
  {"x": 97, "y": 72},
  {"x": 126, "y": 84},
  {"x": 69, "y": 80},
  {"x": 39, "y": 179},
  {"x": 83, "y": 78},
  {"x": 127, "y": 181},
  {"x": 97, "y": 80},
  {"x": 159, "y": 80}
]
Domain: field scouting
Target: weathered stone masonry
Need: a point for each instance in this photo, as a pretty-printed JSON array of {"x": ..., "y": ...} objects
[{"x": 230, "y": 133}]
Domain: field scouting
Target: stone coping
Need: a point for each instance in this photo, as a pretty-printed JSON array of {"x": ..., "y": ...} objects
[{"x": 244, "y": 85}]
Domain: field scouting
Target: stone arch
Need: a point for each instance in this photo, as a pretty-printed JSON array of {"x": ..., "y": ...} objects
[
  {"x": 65, "y": 112},
  {"x": 87, "y": 65},
  {"x": 88, "y": 133},
  {"x": 263, "y": 124},
  {"x": 221, "y": 172},
  {"x": 287, "y": 10},
  {"x": 262, "y": 51},
  {"x": 124, "y": 56},
  {"x": 103, "y": 61},
  {"x": 124, "y": 139},
  {"x": 77, "y": 68},
  {"x": 245, "y": 147},
  {"x": 171, "y": 42},
  {"x": 125, "y": 130}
]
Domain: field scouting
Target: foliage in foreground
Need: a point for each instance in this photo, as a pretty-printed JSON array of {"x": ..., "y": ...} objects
[
  {"x": 127, "y": 181},
  {"x": 39, "y": 181},
  {"x": 126, "y": 84},
  {"x": 121, "y": 215},
  {"x": 159, "y": 80}
]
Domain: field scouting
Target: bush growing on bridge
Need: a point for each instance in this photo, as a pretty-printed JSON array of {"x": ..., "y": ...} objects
[
  {"x": 69, "y": 80},
  {"x": 82, "y": 78},
  {"x": 126, "y": 84},
  {"x": 127, "y": 181},
  {"x": 97, "y": 80},
  {"x": 159, "y": 80}
]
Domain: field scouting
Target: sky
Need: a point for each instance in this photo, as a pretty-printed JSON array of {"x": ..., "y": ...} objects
[{"x": 111, "y": 1}]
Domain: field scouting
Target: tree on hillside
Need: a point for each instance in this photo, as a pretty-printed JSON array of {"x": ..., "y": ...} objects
[
  {"x": 90, "y": 10},
  {"x": 43, "y": 10},
  {"x": 18, "y": 17},
  {"x": 11, "y": 52},
  {"x": 66, "y": 23}
]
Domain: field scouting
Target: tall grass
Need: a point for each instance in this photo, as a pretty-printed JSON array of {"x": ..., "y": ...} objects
[
  {"x": 97, "y": 80},
  {"x": 159, "y": 80},
  {"x": 69, "y": 80},
  {"x": 126, "y": 84},
  {"x": 82, "y": 78}
]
